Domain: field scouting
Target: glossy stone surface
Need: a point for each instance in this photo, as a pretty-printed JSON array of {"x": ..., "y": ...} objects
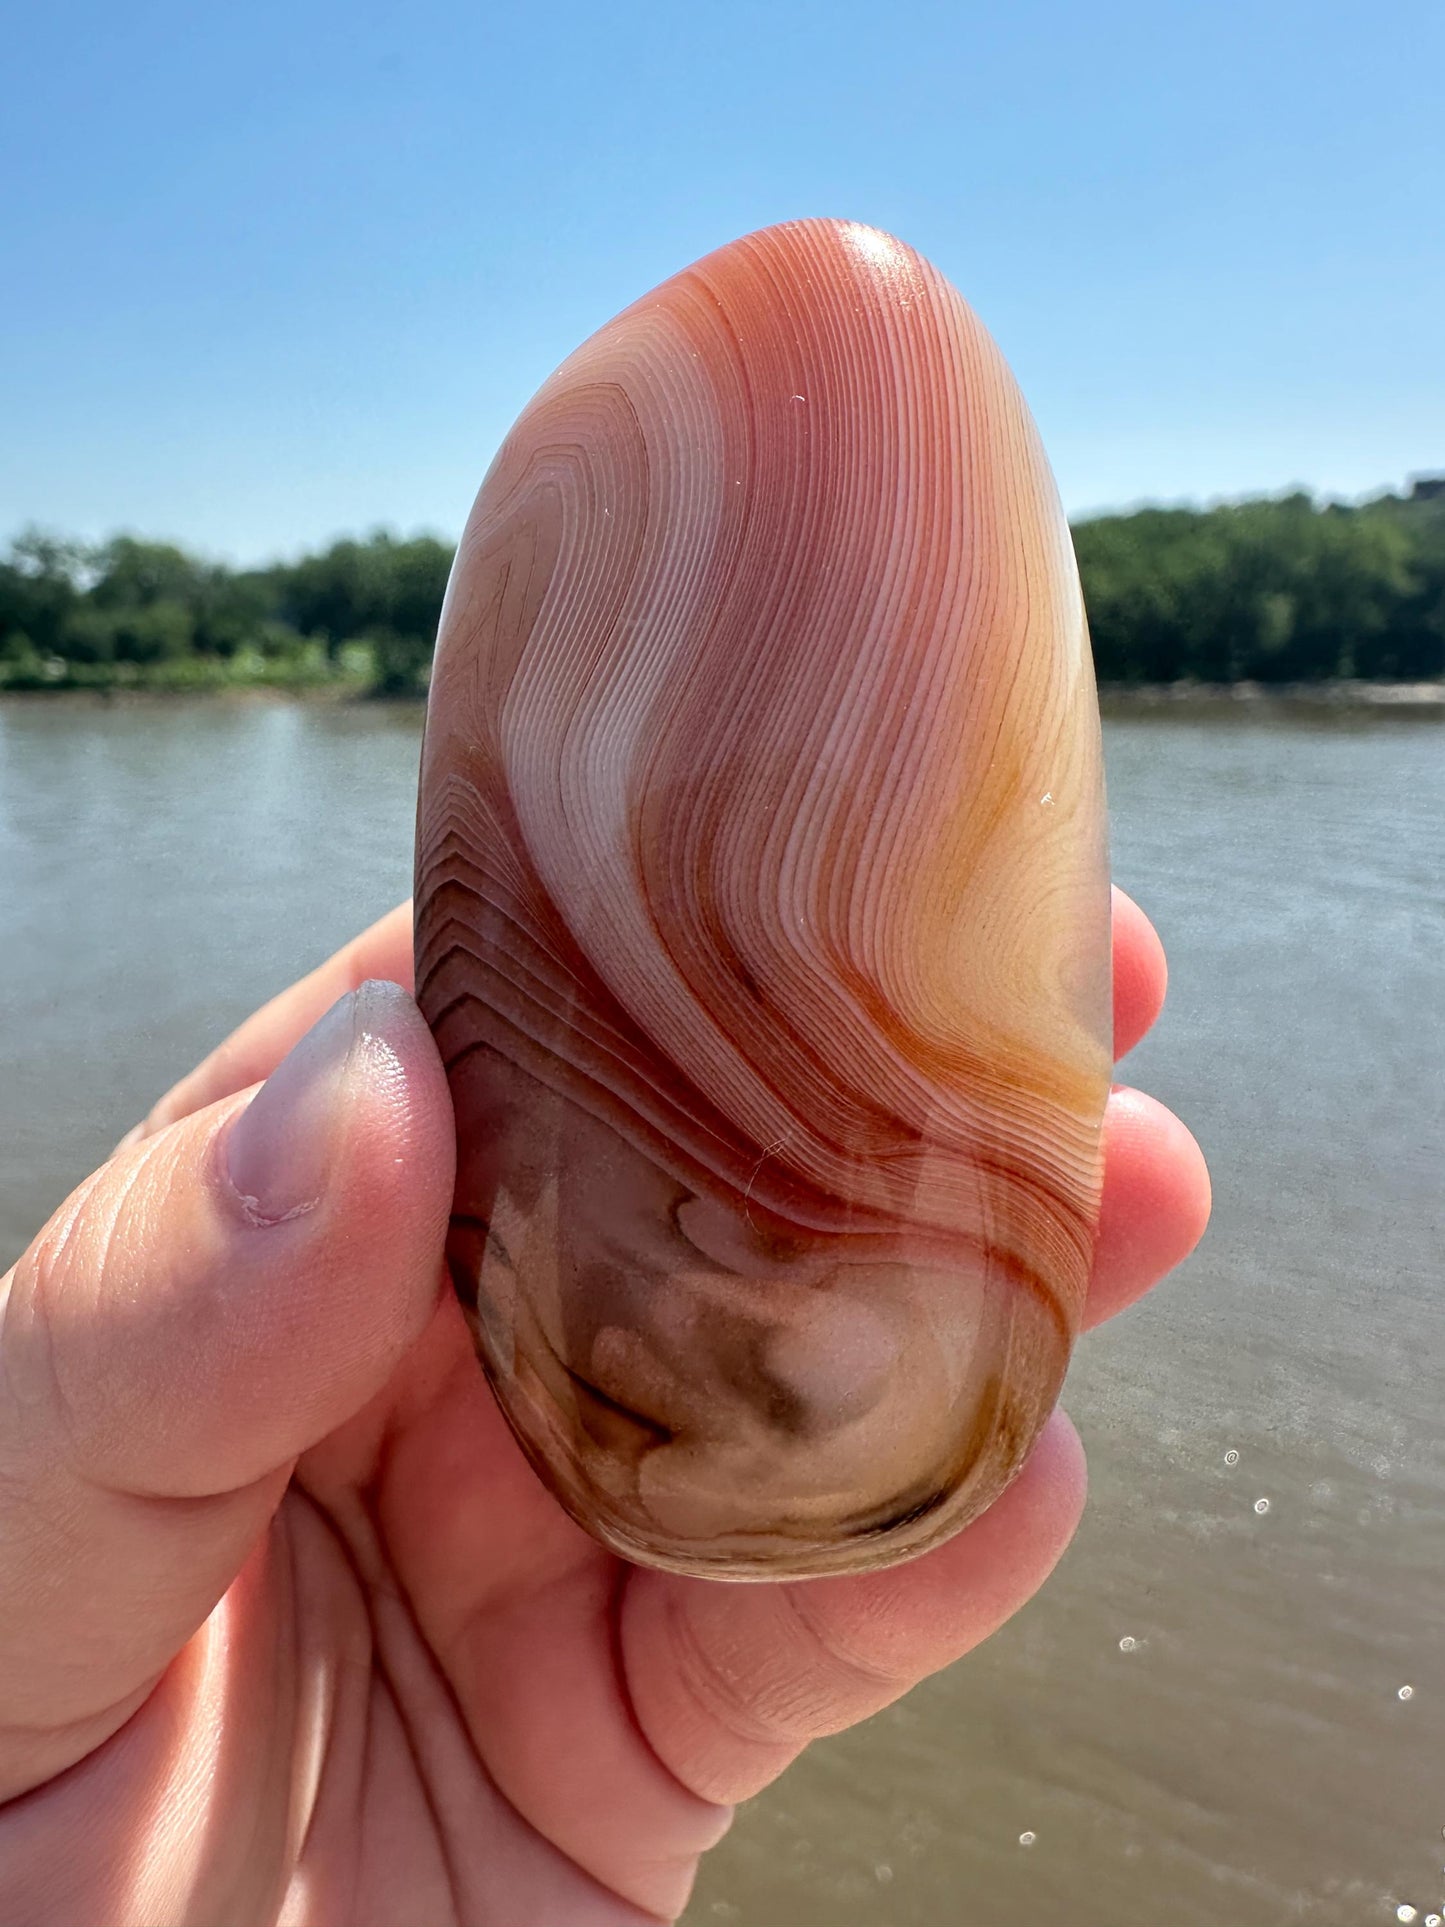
[{"x": 763, "y": 916}]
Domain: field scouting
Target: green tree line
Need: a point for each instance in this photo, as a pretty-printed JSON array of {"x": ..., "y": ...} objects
[
  {"x": 1276, "y": 591},
  {"x": 149, "y": 614},
  {"x": 1272, "y": 591}
]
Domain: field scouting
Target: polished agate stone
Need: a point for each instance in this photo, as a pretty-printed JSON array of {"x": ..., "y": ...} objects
[{"x": 763, "y": 916}]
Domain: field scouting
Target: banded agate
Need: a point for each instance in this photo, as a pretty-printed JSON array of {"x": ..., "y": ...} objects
[{"x": 763, "y": 916}]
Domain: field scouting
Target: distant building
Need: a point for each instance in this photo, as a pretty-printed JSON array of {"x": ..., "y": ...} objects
[{"x": 1427, "y": 488}]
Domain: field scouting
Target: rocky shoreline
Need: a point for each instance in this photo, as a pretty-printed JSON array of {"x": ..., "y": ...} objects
[{"x": 1412, "y": 699}]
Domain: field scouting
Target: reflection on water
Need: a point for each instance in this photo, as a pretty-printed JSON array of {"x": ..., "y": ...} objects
[{"x": 1228, "y": 1708}]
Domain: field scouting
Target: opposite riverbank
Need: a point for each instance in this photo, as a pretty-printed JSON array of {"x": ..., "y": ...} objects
[
  {"x": 354, "y": 680},
  {"x": 1342, "y": 696},
  {"x": 306, "y": 672},
  {"x": 1267, "y": 601}
]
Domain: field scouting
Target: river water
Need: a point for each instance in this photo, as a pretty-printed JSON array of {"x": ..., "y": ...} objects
[{"x": 1228, "y": 1707}]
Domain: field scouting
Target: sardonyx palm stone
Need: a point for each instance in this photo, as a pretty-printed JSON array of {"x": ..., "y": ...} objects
[{"x": 763, "y": 916}]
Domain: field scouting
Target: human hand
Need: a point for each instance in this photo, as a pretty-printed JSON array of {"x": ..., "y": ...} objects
[{"x": 290, "y": 1633}]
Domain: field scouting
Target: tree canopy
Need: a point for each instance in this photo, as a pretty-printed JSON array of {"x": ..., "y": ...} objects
[
  {"x": 136, "y": 611},
  {"x": 1267, "y": 591},
  {"x": 1272, "y": 591}
]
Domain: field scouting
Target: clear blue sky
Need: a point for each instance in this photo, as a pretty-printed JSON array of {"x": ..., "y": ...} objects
[{"x": 272, "y": 272}]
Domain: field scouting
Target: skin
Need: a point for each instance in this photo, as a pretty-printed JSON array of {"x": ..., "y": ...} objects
[{"x": 289, "y": 1633}]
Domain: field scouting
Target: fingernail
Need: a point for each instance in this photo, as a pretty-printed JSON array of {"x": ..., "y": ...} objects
[{"x": 278, "y": 1151}]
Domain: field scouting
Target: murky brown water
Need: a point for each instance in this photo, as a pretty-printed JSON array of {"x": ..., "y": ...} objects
[{"x": 1201, "y": 1722}]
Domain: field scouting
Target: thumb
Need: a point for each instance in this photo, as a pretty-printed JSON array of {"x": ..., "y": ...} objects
[{"x": 203, "y": 1309}]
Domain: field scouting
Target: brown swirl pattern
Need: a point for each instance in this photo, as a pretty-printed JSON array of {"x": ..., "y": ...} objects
[{"x": 762, "y": 916}]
